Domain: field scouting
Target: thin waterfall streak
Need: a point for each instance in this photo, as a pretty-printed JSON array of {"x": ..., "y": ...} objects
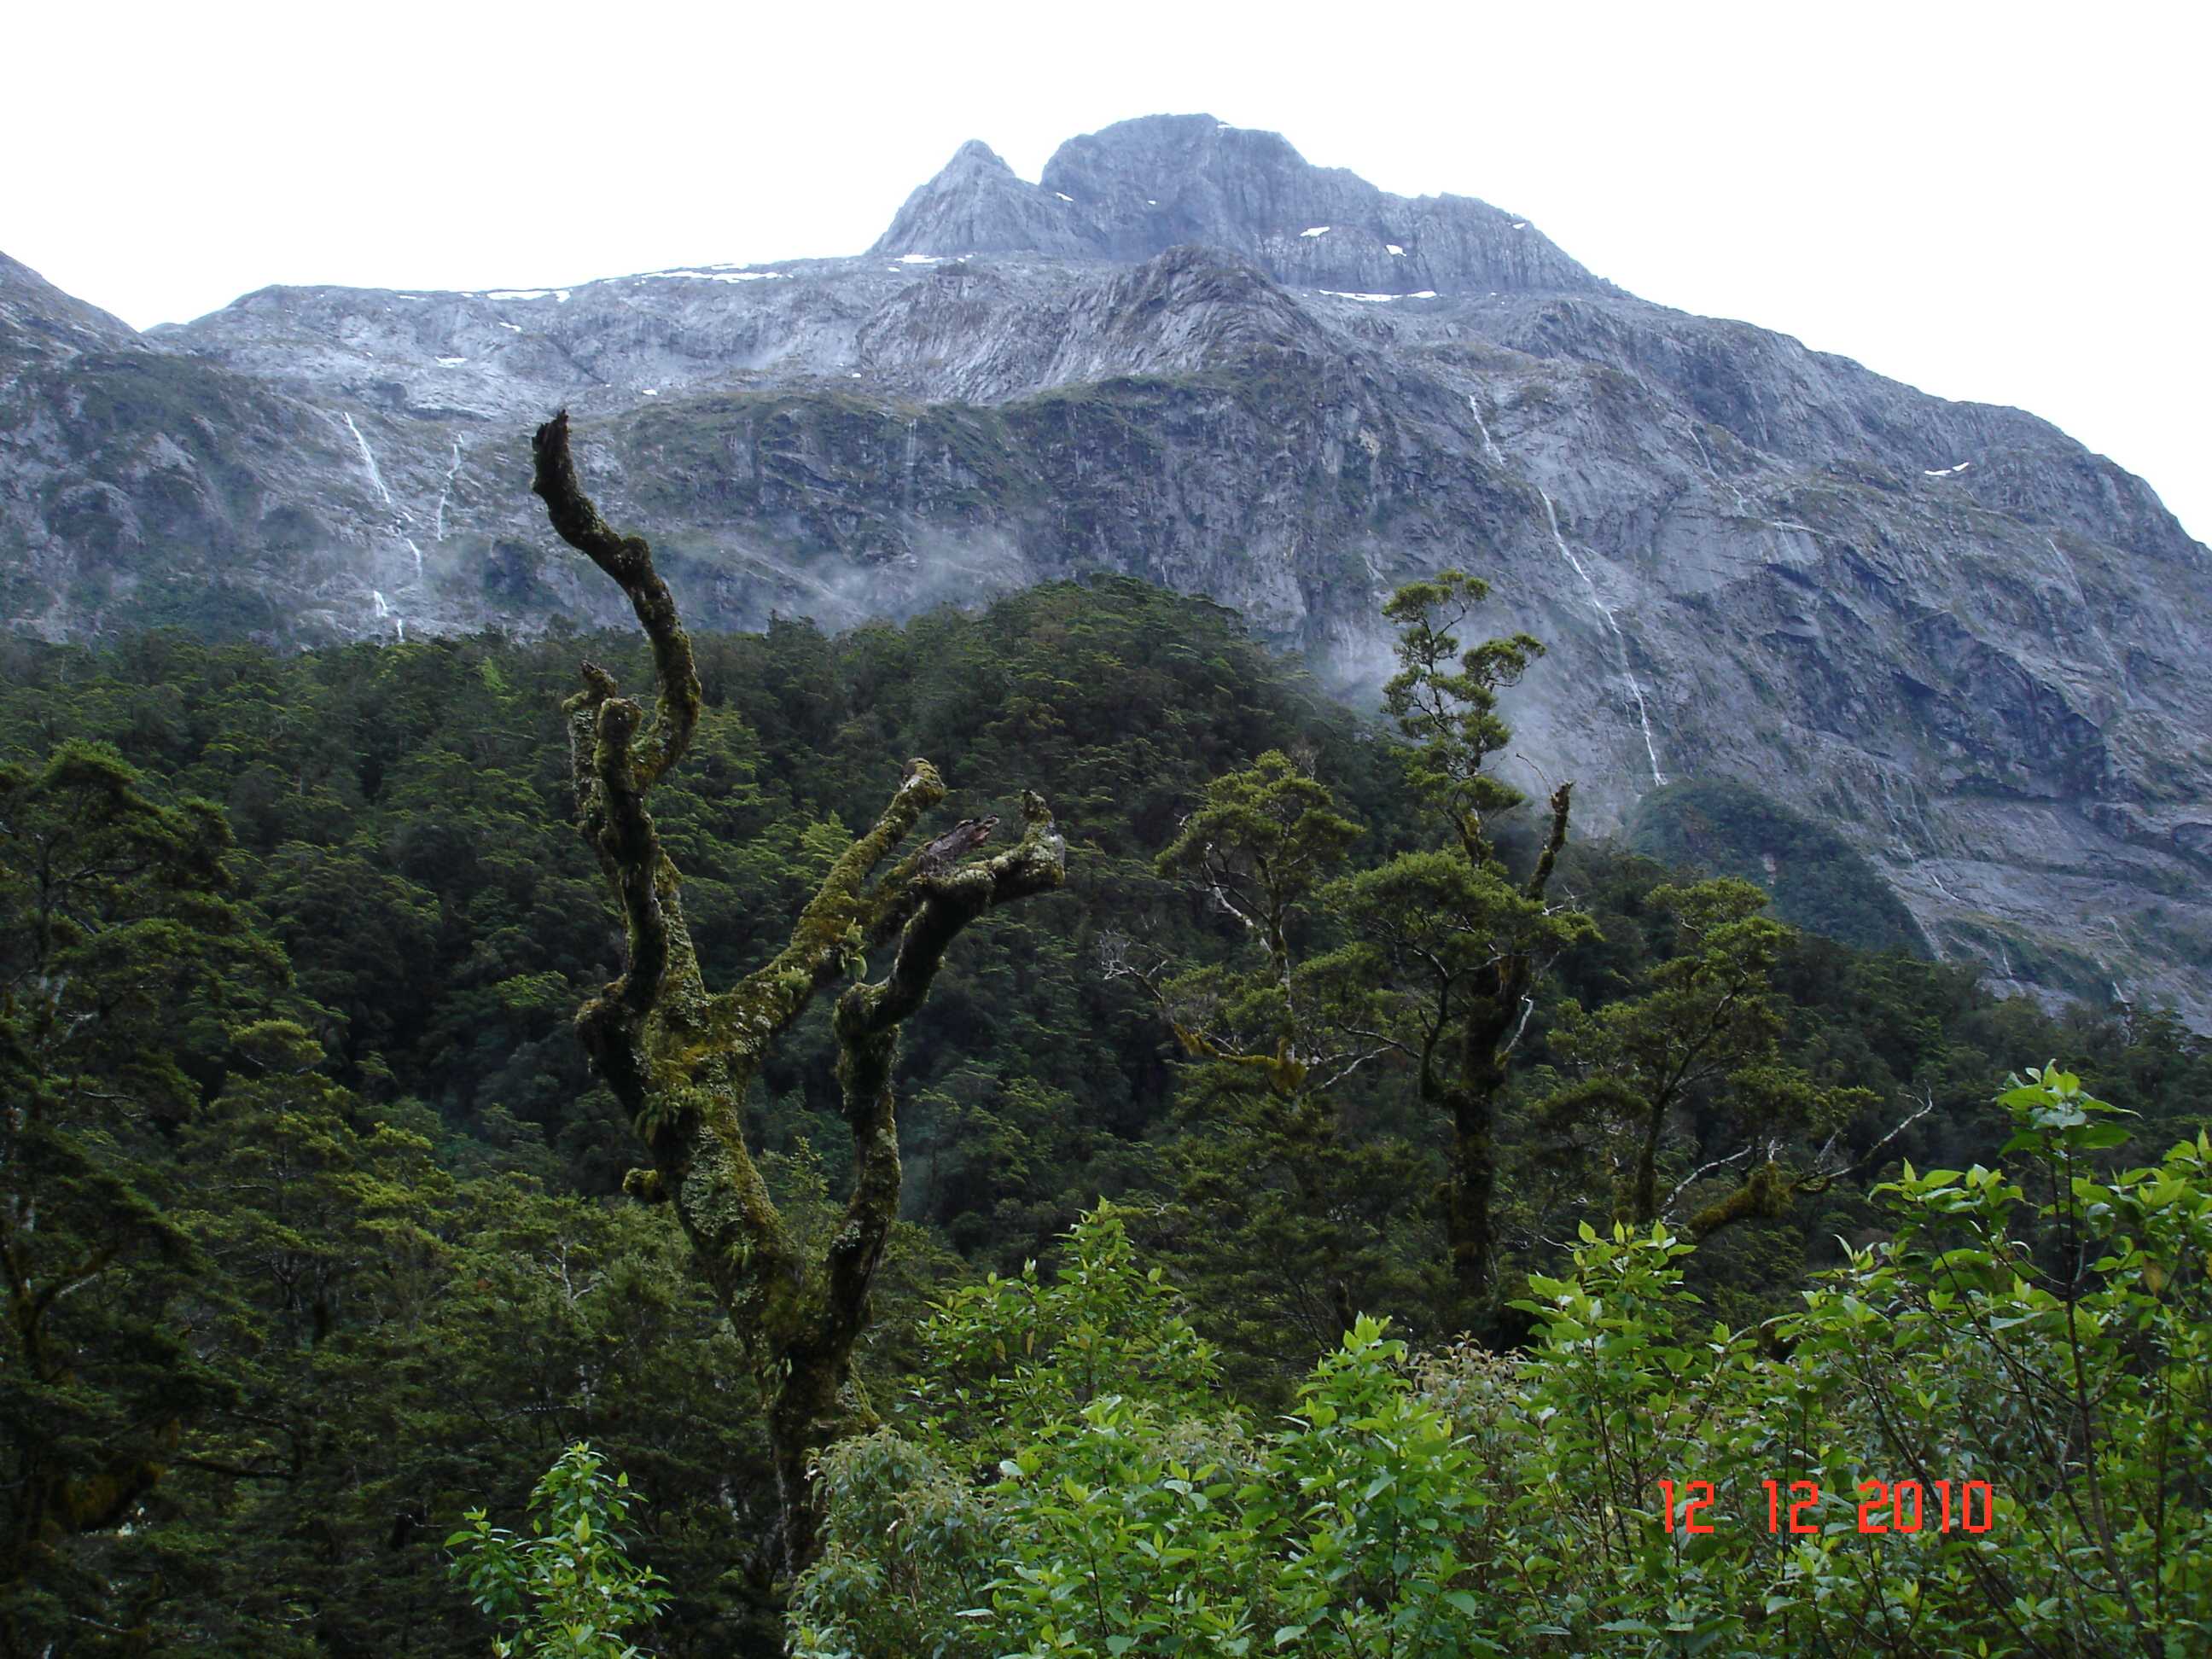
[
  {"x": 1497, "y": 455},
  {"x": 369, "y": 459},
  {"x": 438, "y": 527},
  {"x": 1619, "y": 640}
]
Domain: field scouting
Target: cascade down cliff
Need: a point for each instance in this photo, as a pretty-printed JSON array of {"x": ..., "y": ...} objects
[{"x": 1977, "y": 651}]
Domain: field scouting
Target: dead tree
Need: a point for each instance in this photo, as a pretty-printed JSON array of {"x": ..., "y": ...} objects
[{"x": 679, "y": 1057}]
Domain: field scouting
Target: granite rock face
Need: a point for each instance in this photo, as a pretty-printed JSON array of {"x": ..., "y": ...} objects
[{"x": 1979, "y": 652}]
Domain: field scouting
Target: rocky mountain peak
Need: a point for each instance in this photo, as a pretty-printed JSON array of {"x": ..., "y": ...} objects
[
  {"x": 1189, "y": 354},
  {"x": 1133, "y": 191},
  {"x": 975, "y": 204}
]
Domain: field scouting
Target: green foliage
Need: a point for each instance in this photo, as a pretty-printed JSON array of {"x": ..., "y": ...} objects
[
  {"x": 1445, "y": 700},
  {"x": 1471, "y": 1503},
  {"x": 1704, "y": 1041},
  {"x": 570, "y": 1590},
  {"x": 318, "y": 1263},
  {"x": 1819, "y": 881}
]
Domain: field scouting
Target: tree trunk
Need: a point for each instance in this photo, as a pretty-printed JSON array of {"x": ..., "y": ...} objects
[
  {"x": 1490, "y": 1027},
  {"x": 680, "y": 1057}
]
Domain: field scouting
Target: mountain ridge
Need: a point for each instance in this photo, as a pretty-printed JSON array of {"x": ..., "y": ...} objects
[{"x": 1946, "y": 628}]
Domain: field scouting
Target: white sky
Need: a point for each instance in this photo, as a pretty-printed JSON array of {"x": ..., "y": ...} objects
[{"x": 2000, "y": 202}]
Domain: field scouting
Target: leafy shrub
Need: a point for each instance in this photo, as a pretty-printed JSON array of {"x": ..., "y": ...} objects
[{"x": 1069, "y": 1494}]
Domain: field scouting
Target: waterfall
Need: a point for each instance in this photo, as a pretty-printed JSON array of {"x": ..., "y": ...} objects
[
  {"x": 382, "y": 609},
  {"x": 1619, "y": 640},
  {"x": 1604, "y": 611},
  {"x": 1497, "y": 456},
  {"x": 417, "y": 552},
  {"x": 369, "y": 457},
  {"x": 438, "y": 529}
]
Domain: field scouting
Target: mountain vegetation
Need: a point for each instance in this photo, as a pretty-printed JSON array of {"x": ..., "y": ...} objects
[
  {"x": 1316, "y": 1216},
  {"x": 1968, "y": 649}
]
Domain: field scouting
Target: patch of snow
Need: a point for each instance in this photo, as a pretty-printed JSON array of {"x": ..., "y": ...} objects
[
  {"x": 1225, "y": 127},
  {"x": 1335, "y": 293},
  {"x": 720, "y": 275},
  {"x": 410, "y": 296},
  {"x": 1149, "y": 202},
  {"x": 450, "y": 362},
  {"x": 513, "y": 327},
  {"x": 1315, "y": 230},
  {"x": 1520, "y": 224},
  {"x": 918, "y": 258},
  {"x": 561, "y": 295},
  {"x": 522, "y": 293},
  {"x": 649, "y": 392},
  {"x": 1063, "y": 195},
  {"x": 1425, "y": 294},
  {"x": 1946, "y": 472},
  {"x": 856, "y": 374},
  {"x": 1396, "y": 252}
]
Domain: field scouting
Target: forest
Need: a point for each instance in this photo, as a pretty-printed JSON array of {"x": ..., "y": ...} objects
[{"x": 1030, "y": 1131}]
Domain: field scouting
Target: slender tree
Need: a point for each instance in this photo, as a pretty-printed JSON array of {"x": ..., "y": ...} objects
[
  {"x": 679, "y": 1057},
  {"x": 1465, "y": 939}
]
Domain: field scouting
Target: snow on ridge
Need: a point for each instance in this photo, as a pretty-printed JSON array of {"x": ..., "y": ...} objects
[
  {"x": 558, "y": 294},
  {"x": 1337, "y": 293},
  {"x": 720, "y": 274},
  {"x": 1520, "y": 224}
]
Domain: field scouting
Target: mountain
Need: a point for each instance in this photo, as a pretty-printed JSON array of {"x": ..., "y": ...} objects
[{"x": 1944, "y": 631}]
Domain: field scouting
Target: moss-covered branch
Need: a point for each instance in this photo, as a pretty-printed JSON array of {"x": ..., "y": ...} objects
[
  {"x": 680, "y": 1059},
  {"x": 868, "y": 1019},
  {"x": 628, "y": 560}
]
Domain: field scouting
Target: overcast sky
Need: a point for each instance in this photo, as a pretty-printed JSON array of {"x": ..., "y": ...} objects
[{"x": 2006, "y": 203}]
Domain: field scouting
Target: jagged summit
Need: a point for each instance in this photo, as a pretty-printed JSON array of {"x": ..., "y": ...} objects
[
  {"x": 977, "y": 206},
  {"x": 1189, "y": 354},
  {"x": 1132, "y": 191}
]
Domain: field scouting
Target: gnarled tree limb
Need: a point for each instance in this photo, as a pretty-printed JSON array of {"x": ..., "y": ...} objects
[{"x": 680, "y": 1058}]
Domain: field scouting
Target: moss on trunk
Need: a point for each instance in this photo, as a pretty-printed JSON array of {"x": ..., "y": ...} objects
[{"x": 680, "y": 1057}]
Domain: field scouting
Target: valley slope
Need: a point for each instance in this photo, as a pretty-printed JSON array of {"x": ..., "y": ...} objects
[{"x": 1977, "y": 651}]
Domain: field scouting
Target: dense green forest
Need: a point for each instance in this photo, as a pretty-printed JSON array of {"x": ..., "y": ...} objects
[{"x": 1326, "y": 1212}]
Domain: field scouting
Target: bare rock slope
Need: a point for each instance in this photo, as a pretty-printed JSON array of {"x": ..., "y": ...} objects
[{"x": 1982, "y": 653}]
